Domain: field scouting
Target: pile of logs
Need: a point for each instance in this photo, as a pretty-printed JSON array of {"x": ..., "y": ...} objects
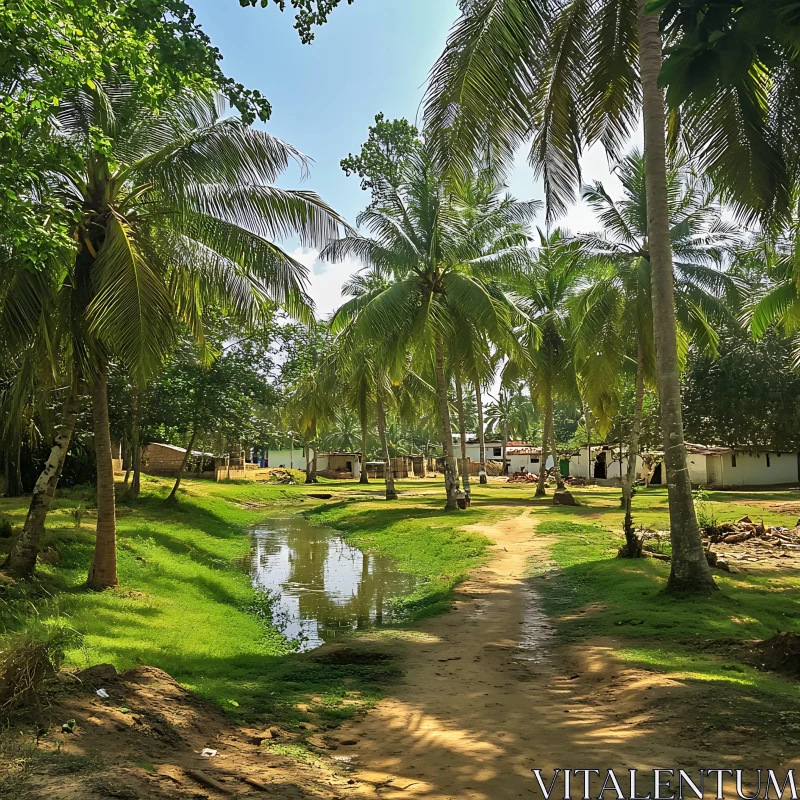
[
  {"x": 745, "y": 529},
  {"x": 523, "y": 477}
]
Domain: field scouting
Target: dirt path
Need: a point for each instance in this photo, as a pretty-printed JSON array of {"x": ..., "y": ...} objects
[{"x": 486, "y": 698}]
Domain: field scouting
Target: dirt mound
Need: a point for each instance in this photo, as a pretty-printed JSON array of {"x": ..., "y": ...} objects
[
  {"x": 144, "y": 740},
  {"x": 780, "y": 653}
]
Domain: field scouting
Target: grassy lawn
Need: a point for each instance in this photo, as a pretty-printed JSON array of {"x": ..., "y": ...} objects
[
  {"x": 591, "y": 593},
  {"x": 184, "y": 594}
]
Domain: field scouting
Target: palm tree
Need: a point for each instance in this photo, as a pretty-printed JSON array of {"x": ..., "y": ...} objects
[
  {"x": 558, "y": 266},
  {"x": 777, "y": 303},
  {"x": 616, "y": 309},
  {"x": 174, "y": 212},
  {"x": 436, "y": 276},
  {"x": 511, "y": 414},
  {"x": 570, "y": 75}
]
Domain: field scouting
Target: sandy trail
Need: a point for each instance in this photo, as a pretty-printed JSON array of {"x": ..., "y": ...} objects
[{"x": 486, "y": 698}]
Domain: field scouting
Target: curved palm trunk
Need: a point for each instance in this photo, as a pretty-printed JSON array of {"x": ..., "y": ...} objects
[
  {"x": 689, "y": 569},
  {"x": 21, "y": 561},
  {"x": 173, "y": 495},
  {"x": 631, "y": 542},
  {"x": 505, "y": 443},
  {"x": 462, "y": 428},
  {"x": 103, "y": 572},
  {"x": 136, "y": 448},
  {"x": 364, "y": 478},
  {"x": 450, "y": 479},
  {"x": 307, "y": 455},
  {"x": 546, "y": 434},
  {"x": 481, "y": 434},
  {"x": 388, "y": 472}
]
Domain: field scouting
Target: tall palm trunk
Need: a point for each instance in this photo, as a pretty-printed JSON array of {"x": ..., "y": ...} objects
[
  {"x": 21, "y": 560},
  {"x": 136, "y": 448},
  {"x": 504, "y": 447},
  {"x": 450, "y": 479},
  {"x": 173, "y": 495},
  {"x": 689, "y": 569},
  {"x": 313, "y": 477},
  {"x": 546, "y": 433},
  {"x": 632, "y": 544},
  {"x": 556, "y": 461},
  {"x": 388, "y": 472},
  {"x": 364, "y": 478},
  {"x": 462, "y": 428},
  {"x": 481, "y": 433},
  {"x": 103, "y": 572},
  {"x": 12, "y": 466}
]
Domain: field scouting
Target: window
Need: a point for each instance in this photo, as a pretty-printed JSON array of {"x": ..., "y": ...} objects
[
  {"x": 534, "y": 460},
  {"x": 498, "y": 451},
  {"x": 733, "y": 460},
  {"x": 768, "y": 464}
]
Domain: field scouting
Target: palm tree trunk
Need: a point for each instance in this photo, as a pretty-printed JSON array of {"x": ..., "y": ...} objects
[
  {"x": 173, "y": 495},
  {"x": 633, "y": 549},
  {"x": 548, "y": 424},
  {"x": 103, "y": 572},
  {"x": 21, "y": 561},
  {"x": 388, "y": 472},
  {"x": 12, "y": 465},
  {"x": 556, "y": 462},
  {"x": 504, "y": 444},
  {"x": 481, "y": 434},
  {"x": 450, "y": 479},
  {"x": 690, "y": 571},
  {"x": 364, "y": 478},
  {"x": 313, "y": 476},
  {"x": 136, "y": 448},
  {"x": 307, "y": 456},
  {"x": 462, "y": 428}
]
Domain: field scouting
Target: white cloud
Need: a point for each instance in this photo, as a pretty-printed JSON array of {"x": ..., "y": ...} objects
[{"x": 326, "y": 279}]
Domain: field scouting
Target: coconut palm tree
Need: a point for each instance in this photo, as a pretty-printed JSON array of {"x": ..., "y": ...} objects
[
  {"x": 511, "y": 414},
  {"x": 545, "y": 290},
  {"x": 776, "y": 303},
  {"x": 614, "y": 315},
  {"x": 174, "y": 212},
  {"x": 436, "y": 275},
  {"x": 570, "y": 75}
]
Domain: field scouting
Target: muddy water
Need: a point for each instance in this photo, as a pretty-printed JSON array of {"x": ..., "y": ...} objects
[{"x": 322, "y": 586}]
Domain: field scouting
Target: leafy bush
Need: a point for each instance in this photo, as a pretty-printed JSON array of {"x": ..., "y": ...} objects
[{"x": 6, "y": 531}]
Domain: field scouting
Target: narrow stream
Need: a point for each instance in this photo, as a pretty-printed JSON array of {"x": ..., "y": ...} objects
[{"x": 322, "y": 586}]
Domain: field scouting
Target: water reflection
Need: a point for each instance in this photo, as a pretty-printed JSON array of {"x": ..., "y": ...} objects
[{"x": 324, "y": 585}]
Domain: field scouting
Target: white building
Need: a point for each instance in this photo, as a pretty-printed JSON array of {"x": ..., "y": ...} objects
[
  {"x": 518, "y": 454},
  {"x": 709, "y": 465},
  {"x": 730, "y": 467},
  {"x": 287, "y": 458},
  {"x": 608, "y": 462}
]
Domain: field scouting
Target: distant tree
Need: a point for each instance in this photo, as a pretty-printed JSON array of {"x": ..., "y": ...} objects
[
  {"x": 749, "y": 395},
  {"x": 383, "y": 155}
]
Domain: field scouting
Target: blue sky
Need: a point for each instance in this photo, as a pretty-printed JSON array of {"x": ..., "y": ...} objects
[{"x": 371, "y": 56}]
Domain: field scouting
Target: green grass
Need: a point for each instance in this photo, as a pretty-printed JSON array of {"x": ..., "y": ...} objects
[
  {"x": 182, "y": 601},
  {"x": 420, "y": 537},
  {"x": 592, "y": 593},
  {"x": 184, "y": 593}
]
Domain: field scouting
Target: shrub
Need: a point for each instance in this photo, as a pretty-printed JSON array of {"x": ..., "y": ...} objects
[
  {"x": 29, "y": 656},
  {"x": 6, "y": 531}
]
